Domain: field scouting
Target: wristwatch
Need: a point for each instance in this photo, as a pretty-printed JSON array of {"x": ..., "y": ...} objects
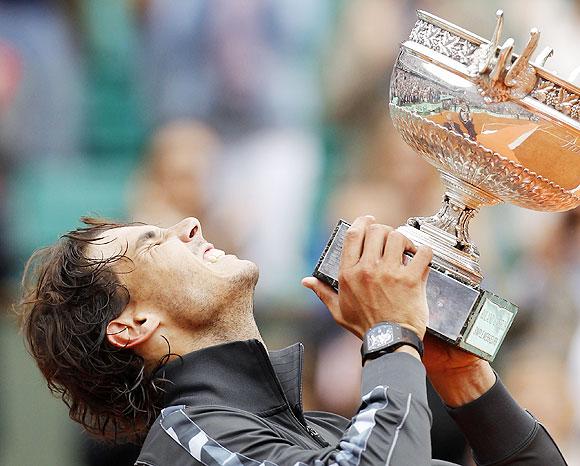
[{"x": 386, "y": 337}]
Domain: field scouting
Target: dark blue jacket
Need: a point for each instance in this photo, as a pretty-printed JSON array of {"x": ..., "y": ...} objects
[{"x": 237, "y": 405}]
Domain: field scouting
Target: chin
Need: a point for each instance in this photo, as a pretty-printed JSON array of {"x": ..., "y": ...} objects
[
  {"x": 240, "y": 274},
  {"x": 248, "y": 272}
]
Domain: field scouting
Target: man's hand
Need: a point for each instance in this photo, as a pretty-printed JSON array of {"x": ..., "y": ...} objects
[
  {"x": 459, "y": 377},
  {"x": 375, "y": 285}
]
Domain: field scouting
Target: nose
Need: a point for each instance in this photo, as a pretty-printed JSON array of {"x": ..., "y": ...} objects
[{"x": 188, "y": 229}]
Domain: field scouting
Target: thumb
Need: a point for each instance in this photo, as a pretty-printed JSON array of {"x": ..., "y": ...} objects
[{"x": 325, "y": 293}]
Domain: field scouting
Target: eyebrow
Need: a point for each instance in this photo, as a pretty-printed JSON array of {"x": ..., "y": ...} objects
[{"x": 144, "y": 237}]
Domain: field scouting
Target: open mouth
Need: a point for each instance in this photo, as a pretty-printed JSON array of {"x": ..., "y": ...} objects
[{"x": 211, "y": 254}]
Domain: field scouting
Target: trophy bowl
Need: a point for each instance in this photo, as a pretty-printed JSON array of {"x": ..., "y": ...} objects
[{"x": 497, "y": 127}]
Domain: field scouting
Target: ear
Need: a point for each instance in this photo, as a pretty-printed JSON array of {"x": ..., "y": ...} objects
[{"x": 132, "y": 328}]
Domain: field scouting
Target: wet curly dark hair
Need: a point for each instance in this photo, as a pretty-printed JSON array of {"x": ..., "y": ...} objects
[{"x": 69, "y": 299}]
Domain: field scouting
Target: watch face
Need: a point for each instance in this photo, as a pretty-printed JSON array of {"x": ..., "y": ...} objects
[{"x": 379, "y": 337}]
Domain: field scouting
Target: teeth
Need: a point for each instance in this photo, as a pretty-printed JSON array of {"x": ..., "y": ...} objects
[{"x": 213, "y": 255}]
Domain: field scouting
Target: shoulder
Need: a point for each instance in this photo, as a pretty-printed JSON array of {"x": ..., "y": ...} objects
[
  {"x": 160, "y": 448},
  {"x": 182, "y": 434}
]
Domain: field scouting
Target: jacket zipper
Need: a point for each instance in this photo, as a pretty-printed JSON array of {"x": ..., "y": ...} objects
[
  {"x": 312, "y": 433},
  {"x": 316, "y": 436}
]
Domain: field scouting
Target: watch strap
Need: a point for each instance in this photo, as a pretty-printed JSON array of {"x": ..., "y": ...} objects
[{"x": 386, "y": 337}]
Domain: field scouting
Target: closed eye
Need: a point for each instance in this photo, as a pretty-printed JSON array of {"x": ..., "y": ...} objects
[
  {"x": 156, "y": 242},
  {"x": 152, "y": 245},
  {"x": 149, "y": 240}
]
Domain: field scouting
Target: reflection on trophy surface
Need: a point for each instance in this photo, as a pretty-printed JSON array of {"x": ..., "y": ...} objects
[{"x": 498, "y": 128}]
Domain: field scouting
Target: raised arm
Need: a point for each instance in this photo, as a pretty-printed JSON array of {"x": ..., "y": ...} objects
[
  {"x": 499, "y": 430},
  {"x": 376, "y": 286}
]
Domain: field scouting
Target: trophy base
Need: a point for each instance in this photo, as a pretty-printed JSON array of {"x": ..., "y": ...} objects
[
  {"x": 460, "y": 313},
  {"x": 473, "y": 319}
]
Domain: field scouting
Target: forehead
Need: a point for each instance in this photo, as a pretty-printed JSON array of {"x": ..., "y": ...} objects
[{"x": 116, "y": 240}]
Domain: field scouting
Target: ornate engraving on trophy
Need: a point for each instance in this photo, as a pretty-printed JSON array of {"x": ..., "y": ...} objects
[
  {"x": 442, "y": 41},
  {"x": 557, "y": 97}
]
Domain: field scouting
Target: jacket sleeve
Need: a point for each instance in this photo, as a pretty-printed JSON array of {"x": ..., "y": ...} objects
[
  {"x": 501, "y": 433},
  {"x": 391, "y": 427}
]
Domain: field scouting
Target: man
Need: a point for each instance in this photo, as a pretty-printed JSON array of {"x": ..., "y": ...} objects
[{"x": 125, "y": 320}]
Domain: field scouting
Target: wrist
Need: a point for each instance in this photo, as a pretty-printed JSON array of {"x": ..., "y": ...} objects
[
  {"x": 458, "y": 386},
  {"x": 419, "y": 330},
  {"x": 405, "y": 349},
  {"x": 409, "y": 350},
  {"x": 387, "y": 337}
]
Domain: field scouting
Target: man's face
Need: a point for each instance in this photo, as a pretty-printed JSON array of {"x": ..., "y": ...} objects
[{"x": 176, "y": 271}]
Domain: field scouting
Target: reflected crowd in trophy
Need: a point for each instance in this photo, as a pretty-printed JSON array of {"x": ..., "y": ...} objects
[{"x": 268, "y": 121}]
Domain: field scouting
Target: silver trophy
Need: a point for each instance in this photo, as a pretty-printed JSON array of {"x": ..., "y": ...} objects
[{"x": 498, "y": 128}]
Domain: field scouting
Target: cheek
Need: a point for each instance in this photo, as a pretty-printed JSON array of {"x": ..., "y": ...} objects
[{"x": 170, "y": 276}]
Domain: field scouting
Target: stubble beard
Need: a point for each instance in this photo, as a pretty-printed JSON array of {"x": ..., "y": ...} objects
[
  {"x": 235, "y": 313},
  {"x": 229, "y": 299},
  {"x": 246, "y": 278}
]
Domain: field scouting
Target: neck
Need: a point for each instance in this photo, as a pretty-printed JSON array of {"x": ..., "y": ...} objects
[{"x": 234, "y": 322}]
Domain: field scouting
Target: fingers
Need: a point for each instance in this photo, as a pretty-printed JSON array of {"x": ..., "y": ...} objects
[
  {"x": 397, "y": 244},
  {"x": 421, "y": 260},
  {"x": 374, "y": 243},
  {"x": 354, "y": 240},
  {"x": 325, "y": 293}
]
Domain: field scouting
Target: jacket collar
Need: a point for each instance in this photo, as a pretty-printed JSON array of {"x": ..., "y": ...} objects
[{"x": 239, "y": 374}]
